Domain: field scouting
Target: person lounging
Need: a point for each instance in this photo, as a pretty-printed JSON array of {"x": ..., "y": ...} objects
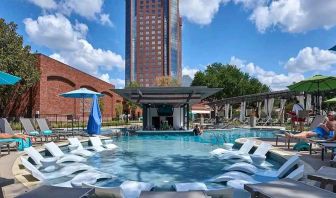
[{"x": 323, "y": 131}]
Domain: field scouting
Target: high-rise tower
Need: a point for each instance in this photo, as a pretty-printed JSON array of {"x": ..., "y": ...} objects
[{"x": 153, "y": 40}]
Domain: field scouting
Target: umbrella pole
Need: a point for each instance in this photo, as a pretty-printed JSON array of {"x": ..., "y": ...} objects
[
  {"x": 318, "y": 99},
  {"x": 83, "y": 114}
]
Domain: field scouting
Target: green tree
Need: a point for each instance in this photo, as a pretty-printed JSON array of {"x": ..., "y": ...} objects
[
  {"x": 101, "y": 105},
  {"x": 229, "y": 77},
  {"x": 17, "y": 59},
  {"x": 133, "y": 84},
  {"x": 167, "y": 81},
  {"x": 118, "y": 109},
  {"x": 131, "y": 106}
]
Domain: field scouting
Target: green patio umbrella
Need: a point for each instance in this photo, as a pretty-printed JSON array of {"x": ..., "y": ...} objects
[
  {"x": 333, "y": 100},
  {"x": 315, "y": 84}
]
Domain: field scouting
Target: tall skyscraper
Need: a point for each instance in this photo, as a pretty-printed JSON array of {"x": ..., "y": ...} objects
[{"x": 153, "y": 41}]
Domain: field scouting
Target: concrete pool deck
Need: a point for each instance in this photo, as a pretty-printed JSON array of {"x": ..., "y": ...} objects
[{"x": 10, "y": 167}]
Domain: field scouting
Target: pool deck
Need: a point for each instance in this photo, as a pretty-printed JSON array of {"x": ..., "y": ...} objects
[{"x": 10, "y": 167}]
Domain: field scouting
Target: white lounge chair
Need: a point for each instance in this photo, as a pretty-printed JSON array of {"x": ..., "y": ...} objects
[
  {"x": 90, "y": 177},
  {"x": 199, "y": 186},
  {"x": 183, "y": 187},
  {"x": 80, "y": 149},
  {"x": 36, "y": 156},
  {"x": 128, "y": 189},
  {"x": 238, "y": 184},
  {"x": 65, "y": 171},
  {"x": 57, "y": 152},
  {"x": 115, "y": 192},
  {"x": 244, "y": 149},
  {"x": 252, "y": 169},
  {"x": 261, "y": 152},
  {"x": 98, "y": 146}
]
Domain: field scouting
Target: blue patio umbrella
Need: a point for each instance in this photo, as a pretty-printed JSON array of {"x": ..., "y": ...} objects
[
  {"x": 81, "y": 93},
  {"x": 94, "y": 122},
  {"x": 8, "y": 79}
]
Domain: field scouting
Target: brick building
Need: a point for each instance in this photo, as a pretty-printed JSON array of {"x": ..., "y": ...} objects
[{"x": 57, "y": 78}]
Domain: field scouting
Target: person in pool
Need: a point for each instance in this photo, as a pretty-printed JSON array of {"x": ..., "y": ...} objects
[
  {"x": 197, "y": 130},
  {"x": 323, "y": 131}
]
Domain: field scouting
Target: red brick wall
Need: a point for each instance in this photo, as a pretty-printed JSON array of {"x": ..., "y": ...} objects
[{"x": 57, "y": 78}]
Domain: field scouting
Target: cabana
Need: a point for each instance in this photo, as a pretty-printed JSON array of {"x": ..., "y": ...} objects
[
  {"x": 166, "y": 108},
  {"x": 258, "y": 99}
]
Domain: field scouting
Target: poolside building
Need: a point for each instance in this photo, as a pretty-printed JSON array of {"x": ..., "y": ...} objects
[
  {"x": 56, "y": 78},
  {"x": 153, "y": 41},
  {"x": 166, "y": 108}
]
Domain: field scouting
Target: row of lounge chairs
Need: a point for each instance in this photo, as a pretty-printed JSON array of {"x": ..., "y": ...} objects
[{"x": 88, "y": 175}]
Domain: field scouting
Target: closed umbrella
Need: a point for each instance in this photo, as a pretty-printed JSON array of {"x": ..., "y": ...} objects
[
  {"x": 81, "y": 93},
  {"x": 8, "y": 79},
  {"x": 316, "y": 83},
  {"x": 94, "y": 122}
]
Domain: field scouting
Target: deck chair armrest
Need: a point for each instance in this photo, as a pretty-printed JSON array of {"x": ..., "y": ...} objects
[{"x": 332, "y": 163}]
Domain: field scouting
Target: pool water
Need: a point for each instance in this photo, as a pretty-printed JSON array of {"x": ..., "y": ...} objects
[{"x": 168, "y": 159}]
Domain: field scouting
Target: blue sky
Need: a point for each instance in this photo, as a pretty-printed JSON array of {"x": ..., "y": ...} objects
[{"x": 278, "y": 42}]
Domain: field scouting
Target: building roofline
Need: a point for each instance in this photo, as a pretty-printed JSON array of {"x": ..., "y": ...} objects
[{"x": 40, "y": 54}]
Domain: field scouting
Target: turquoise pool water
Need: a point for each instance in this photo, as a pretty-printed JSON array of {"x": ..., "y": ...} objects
[{"x": 168, "y": 159}]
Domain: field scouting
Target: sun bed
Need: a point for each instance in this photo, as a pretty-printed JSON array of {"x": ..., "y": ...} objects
[
  {"x": 35, "y": 155},
  {"x": 296, "y": 175},
  {"x": 317, "y": 120},
  {"x": 238, "y": 184},
  {"x": 128, "y": 189},
  {"x": 57, "y": 192},
  {"x": 183, "y": 187},
  {"x": 12, "y": 143},
  {"x": 31, "y": 131},
  {"x": 89, "y": 177},
  {"x": 65, "y": 171},
  {"x": 44, "y": 128},
  {"x": 6, "y": 128},
  {"x": 239, "y": 172},
  {"x": 325, "y": 175},
  {"x": 286, "y": 188},
  {"x": 98, "y": 146},
  {"x": 252, "y": 169},
  {"x": 191, "y": 194},
  {"x": 74, "y": 142},
  {"x": 333, "y": 162},
  {"x": 260, "y": 152},
  {"x": 244, "y": 149},
  {"x": 57, "y": 152},
  {"x": 115, "y": 192}
]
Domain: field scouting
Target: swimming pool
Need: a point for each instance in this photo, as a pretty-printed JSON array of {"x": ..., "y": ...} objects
[{"x": 168, "y": 159}]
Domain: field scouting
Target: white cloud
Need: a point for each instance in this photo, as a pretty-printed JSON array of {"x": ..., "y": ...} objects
[
  {"x": 200, "y": 11},
  {"x": 117, "y": 82},
  {"x": 69, "y": 44},
  {"x": 85, "y": 8},
  {"x": 44, "y": 4},
  {"x": 289, "y": 15},
  {"x": 270, "y": 78},
  {"x": 295, "y": 15},
  {"x": 189, "y": 71},
  {"x": 105, "y": 20},
  {"x": 311, "y": 59},
  {"x": 89, "y": 9}
]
